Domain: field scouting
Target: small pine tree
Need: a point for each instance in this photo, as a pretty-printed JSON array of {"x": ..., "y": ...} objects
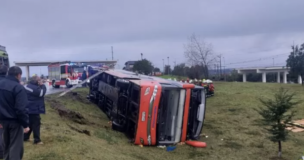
[{"x": 277, "y": 114}]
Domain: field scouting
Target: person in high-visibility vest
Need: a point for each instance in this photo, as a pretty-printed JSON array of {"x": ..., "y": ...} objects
[{"x": 205, "y": 85}]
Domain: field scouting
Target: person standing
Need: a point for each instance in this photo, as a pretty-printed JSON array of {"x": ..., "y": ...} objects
[
  {"x": 13, "y": 114},
  {"x": 84, "y": 77},
  {"x": 35, "y": 90},
  {"x": 3, "y": 72}
]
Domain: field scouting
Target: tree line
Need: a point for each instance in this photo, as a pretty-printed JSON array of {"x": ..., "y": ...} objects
[{"x": 199, "y": 57}]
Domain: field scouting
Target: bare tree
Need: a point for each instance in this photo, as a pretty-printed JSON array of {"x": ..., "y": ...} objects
[{"x": 198, "y": 52}]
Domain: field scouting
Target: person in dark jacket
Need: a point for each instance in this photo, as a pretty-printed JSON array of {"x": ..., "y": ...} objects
[
  {"x": 13, "y": 113},
  {"x": 35, "y": 90},
  {"x": 3, "y": 72},
  {"x": 84, "y": 77}
]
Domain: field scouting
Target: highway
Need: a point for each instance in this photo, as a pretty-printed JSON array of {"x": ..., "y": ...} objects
[{"x": 51, "y": 90}]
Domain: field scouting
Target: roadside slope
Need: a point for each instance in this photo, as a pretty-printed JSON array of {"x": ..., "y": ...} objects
[{"x": 229, "y": 125}]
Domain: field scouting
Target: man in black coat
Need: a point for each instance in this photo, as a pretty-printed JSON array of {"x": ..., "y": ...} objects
[
  {"x": 3, "y": 72},
  {"x": 13, "y": 113},
  {"x": 84, "y": 77},
  {"x": 35, "y": 90}
]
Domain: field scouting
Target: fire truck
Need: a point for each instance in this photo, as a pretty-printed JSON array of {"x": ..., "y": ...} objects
[{"x": 67, "y": 74}]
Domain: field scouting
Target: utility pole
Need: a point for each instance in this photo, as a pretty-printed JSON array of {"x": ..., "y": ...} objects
[
  {"x": 112, "y": 53},
  {"x": 218, "y": 71},
  {"x": 221, "y": 65},
  {"x": 164, "y": 66},
  {"x": 216, "y": 65},
  {"x": 141, "y": 56},
  {"x": 273, "y": 61},
  {"x": 214, "y": 70},
  {"x": 174, "y": 63},
  {"x": 168, "y": 66},
  {"x": 224, "y": 69}
]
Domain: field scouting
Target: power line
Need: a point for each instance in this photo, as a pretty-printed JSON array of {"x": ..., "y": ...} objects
[
  {"x": 260, "y": 59},
  {"x": 251, "y": 66}
]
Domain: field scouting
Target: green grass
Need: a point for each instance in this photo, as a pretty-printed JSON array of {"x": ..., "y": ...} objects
[
  {"x": 229, "y": 124},
  {"x": 172, "y": 77}
]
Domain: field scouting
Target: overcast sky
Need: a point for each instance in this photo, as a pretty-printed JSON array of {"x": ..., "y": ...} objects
[{"x": 240, "y": 30}]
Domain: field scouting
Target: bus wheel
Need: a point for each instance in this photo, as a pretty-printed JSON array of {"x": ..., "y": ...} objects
[
  {"x": 54, "y": 84},
  {"x": 67, "y": 83}
]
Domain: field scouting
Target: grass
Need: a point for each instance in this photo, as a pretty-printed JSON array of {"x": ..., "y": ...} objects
[
  {"x": 172, "y": 77},
  {"x": 229, "y": 124}
]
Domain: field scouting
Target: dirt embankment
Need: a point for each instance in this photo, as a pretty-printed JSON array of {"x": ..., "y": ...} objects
[
  {"x": 66, "y": 113},
  {"x": 77, "y": 97},
  {"x": 71, "y": 115}
]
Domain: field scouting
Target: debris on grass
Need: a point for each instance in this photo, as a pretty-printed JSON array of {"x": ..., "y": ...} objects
[
  {"x": 296, "y": 126},
  {"x": 171, "y": 148},
  {"x": 203, "y": 135},
  {"x": 181, "y": 143},
  {"x": 162, "y": 147}
]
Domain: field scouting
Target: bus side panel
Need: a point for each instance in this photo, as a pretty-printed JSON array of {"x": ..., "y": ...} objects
[
  {"x": 142, "y": 125},
  {"x": 154, "y": 115}
]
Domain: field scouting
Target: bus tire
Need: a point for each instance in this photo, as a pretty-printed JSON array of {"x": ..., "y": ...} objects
[
  {"x": 67, "y": 84},
  {"x": 54, "y": 84}
]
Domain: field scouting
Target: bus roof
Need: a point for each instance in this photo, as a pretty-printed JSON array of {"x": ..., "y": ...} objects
[{"x": 121, "y": 74}]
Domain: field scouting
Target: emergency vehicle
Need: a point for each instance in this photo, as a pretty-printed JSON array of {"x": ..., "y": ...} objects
[{"x": 64, "y": 74}]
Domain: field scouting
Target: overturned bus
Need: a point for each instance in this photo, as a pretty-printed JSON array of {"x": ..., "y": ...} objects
[{"x": 150, "y": 110}]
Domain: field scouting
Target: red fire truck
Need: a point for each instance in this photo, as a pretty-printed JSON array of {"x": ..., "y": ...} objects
[{"x": 64, "y": 74}]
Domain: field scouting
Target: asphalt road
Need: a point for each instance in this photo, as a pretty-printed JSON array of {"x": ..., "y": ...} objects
[{"x": 51, "y": 90}]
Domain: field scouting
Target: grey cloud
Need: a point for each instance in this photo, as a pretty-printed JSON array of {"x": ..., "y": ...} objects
[{"x": 72, "y": 29}]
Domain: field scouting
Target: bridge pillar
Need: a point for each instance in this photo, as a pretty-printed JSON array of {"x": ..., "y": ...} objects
[
  {"x": 264, "y": 77},
  {"x": 244, "y": 77},
  {"x": 299, "y": 79},
  {"x": 278, "y": 77},
  {"x": 27, "y": 69},
  {"x": 285, "y": 77}
]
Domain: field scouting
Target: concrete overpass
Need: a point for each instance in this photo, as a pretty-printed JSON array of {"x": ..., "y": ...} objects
[
  {"x": 46, "y": 63},
  {"x": 265, "y": 70}
]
